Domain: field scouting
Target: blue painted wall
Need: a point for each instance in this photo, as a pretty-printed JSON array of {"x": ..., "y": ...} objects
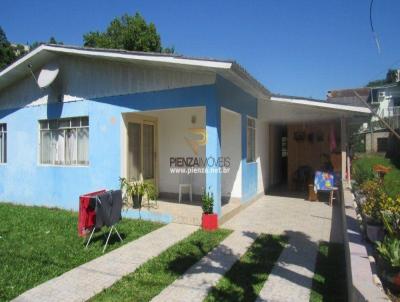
[
  {"x": 233, "y": 98},
  {"x": 24, "y": 180}
]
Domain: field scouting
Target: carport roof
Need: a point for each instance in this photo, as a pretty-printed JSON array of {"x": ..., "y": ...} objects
[{"x": 281, "y": 109}]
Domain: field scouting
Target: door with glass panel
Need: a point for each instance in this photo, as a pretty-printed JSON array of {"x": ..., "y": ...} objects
[{"x": 142, "y": 150}]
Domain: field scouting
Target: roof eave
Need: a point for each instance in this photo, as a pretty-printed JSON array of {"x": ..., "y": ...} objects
[
  {"x": 243, "y": 78},
  {"x": 323, "y": 105}
]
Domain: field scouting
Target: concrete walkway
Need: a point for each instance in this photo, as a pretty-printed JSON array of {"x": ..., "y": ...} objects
[
  {"x": 87, "y": 280},
  {"x": 305, "y": 223},
  {"x": 198, "y": 280}
]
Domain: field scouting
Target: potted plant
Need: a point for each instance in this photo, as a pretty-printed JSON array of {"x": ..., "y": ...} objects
[
  {"x": 209, "y": 220},
  {"x": 389, "y": 262},
  {"x": 135, "y": 190}
]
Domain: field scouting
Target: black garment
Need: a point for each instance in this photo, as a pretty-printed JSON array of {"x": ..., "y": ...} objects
[
  {"x": 103, "y": 209},
  {"x": 116, "y": 207},
  {"x": 108, "y": 208}
]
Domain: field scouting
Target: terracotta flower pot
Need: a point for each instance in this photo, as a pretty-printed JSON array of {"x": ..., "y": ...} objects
[{"x": 209, "y": 222}]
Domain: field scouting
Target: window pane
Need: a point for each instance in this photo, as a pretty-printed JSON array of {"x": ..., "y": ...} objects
[
  {"x": 76, "y": 122},
  {"x": 4, "y": 147},
  {"x": 44, "y": 124},
  {"x": 70, "y": 147},
  {"x": 64, "y": 123},
  {"x": 53, "y": 124},
  {"x": 45, "y": 145},
  {"x": 58, "y": 142},
  {"x": 1, "y": 147},
  {"x": 134, "y": 149},
  {"x": 83, "y": 146},
  {"x": 85, "y": 121},
  {"x": 148, "y": 151}
]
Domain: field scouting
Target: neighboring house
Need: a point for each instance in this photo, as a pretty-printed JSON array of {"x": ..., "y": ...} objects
[
  {"x": 385, "y": 100},
  {"x": 111, "y": 114}
]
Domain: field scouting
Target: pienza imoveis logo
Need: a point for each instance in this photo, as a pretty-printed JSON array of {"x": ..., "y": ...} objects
[{"x": 196, "y": 164}]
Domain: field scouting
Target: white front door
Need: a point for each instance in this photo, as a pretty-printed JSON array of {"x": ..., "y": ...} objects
[{"x": 141, "y": 141}]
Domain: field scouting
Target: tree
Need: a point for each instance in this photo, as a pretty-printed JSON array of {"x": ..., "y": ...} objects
[
  {"x": 7, "y": 53},
  {"x": 129, "y": 33},
  {"x": 52, "y": 40},
  {"x": 391, "y": 77}
]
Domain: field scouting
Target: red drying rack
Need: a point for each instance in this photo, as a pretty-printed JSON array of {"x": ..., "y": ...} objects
[{"x": 87, "y": 215}]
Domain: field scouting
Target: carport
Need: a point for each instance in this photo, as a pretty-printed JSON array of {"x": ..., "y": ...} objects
[{"x": 307, "y": 132}]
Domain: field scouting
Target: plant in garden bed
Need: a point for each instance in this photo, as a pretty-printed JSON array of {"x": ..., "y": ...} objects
[
  {"x": 389, "y": 249},
  {"x": 389, "y": 262},
  {"x": 209, "y": 220},
  {"x": 391, "y": 222}
]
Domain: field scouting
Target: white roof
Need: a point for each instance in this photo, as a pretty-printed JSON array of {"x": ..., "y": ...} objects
[
  {"x": 46, "y": 52},
  {"x": 321, "y": 104}
]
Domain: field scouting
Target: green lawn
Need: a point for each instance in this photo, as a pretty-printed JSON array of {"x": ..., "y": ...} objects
[
  {"x": 156, "y": 274},
  {"x": 37, "y": 244},
  {"x": 245, "y": 279},
  {"x": 329, "y": 282},
  {"x": 363, "y": 170}
]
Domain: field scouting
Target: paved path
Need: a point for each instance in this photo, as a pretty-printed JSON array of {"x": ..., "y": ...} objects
[
  {"x": 305, "y": 223},
  {"x": 91, "y": 278},
  {"x": 198, "y": 280}
]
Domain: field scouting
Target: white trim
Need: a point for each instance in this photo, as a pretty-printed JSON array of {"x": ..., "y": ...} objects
[
  {"x": 22, "y": 60},
  {"x": 222, "y": 66},
  {"x": 152, "y": 58},
  {"x": 324, "y": 105}
]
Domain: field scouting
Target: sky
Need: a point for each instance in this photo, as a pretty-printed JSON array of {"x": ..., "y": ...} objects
[{"x": 294, "y": 47}]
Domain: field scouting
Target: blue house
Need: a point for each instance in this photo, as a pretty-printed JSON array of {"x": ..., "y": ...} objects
[{"x": 74, "y": 120}]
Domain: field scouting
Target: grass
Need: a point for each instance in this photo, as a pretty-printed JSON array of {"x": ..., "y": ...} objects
[
  {"x": 156, "y": 274},
  {"x": 245, "y": 279},
  {"x": 37, "y": 244},
  {"x": 363, "y": 170},
  {"x": 329, "y": 282}
]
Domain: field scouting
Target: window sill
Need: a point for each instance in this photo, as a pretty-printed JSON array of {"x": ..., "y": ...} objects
[{"x": 63, "y": 166}]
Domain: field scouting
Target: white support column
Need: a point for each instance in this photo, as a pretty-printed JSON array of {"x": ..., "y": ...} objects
[{"x": 343, "y": 142}]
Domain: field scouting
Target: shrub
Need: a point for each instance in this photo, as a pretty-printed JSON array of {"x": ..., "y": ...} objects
[
  {"x": 207, "y": 200},
  {"x": 389, "y": 250},
  {"x": 391, "y": 222},
  {"x": 375, "y": 198}
]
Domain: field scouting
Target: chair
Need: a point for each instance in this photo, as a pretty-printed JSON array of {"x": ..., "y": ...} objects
[
  {"x": 185, "y": 181},
  {"x": 325, "y": 181}
]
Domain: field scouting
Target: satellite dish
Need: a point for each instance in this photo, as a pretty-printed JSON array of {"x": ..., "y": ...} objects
[{"x": 48, "y": 74}]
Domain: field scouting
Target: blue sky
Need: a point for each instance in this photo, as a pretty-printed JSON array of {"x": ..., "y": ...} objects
[{"x": 293, "y": 47}]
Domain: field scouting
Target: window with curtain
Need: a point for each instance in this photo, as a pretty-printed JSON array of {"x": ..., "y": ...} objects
[
  {"x": 251, "y": 140},
  {"x": 65, "y": 141},
  {"x": 3, "y": 143}
]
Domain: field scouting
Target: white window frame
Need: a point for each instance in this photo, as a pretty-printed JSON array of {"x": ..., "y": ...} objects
[
  {"x": 83, "y": 124},
  {"x": 250, "y": 144},
  {"x": 3, "y": 143}
]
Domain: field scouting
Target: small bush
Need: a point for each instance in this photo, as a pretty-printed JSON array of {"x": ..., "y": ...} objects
[
  {"x": 207, "y": 200},
  {"x": 389, "y": 249},
  {"x": 375, "y": 199}
]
